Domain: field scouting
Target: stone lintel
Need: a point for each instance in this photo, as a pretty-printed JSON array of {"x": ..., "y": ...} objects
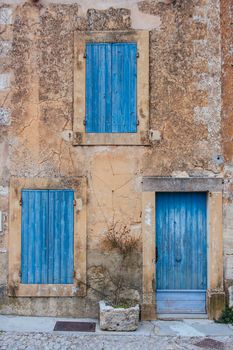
[{"x": 189, "y": 184}]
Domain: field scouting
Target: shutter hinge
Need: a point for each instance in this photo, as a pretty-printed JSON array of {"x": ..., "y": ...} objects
[
  {"x": 74, "y": 203},
  {"x": 74, "y": 274},
  {"x": 20, "y": 274},
  {"x": 137, "y": 122},
  {"x": 137, "y": 54},
  {"x": 84, "y": 122},
  {"x": 20, "y": 201},
  {"x": 85, "y": 55}
]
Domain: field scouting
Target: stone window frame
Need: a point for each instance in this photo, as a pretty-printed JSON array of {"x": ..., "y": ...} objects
[
  {"x": 15, "y": 287},
  {"x": 141, "y": 137},
  {"x": 213, "y": 187}
]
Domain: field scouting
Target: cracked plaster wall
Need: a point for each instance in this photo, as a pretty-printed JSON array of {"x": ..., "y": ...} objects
[
  {"x": 227, "y": 134},
  {"x": 185, "y": 110}
]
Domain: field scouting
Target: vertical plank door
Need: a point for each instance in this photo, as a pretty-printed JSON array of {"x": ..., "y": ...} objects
[{"x": 181, "y": 244}]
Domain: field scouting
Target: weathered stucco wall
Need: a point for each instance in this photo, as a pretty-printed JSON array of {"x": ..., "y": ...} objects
[
  {"x": 227, "y": 134},
  {"x": 36, "y": 91}
]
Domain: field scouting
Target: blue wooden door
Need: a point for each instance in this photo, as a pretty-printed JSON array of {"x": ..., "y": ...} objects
[
  {"x": 47, "y": 241},
  {"x": 181, "y": 245},
  {"x": 111, "y": 87}
]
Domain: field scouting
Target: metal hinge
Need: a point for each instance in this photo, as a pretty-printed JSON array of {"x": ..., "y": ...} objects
[
  {"x": 74, "y": 274},
  {"x": 20, "y": 201},
  {"x": 85, "y": 55},
  {"x": 138, "y": 123},
  {"x": 74, "y": 202},
  {"x": 20, "y": 273},
  {"x": 137, "y": 54},
  {"x": 84, "y": 122}
]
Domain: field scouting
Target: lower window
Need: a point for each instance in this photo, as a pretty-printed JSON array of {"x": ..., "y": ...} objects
[{"x": 47, "y": 255}]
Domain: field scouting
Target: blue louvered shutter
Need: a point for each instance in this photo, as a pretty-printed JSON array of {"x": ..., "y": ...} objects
[
  {"x": 61, "y": 237},
  {"x": 98, "y": 88},
  {"x": 34, "y": 236},
  {"x": 111, "y": 87},
  {"x": 47, "y": 241},
  {"x": 124, "y": 93}
]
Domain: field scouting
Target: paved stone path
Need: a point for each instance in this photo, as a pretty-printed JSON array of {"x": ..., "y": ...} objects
[
  {"x": 36, "y": 333},
  {"x": 39, "y": 341}
]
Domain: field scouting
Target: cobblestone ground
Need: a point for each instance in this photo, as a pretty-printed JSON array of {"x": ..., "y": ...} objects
[{"x": 39, "y": 341}]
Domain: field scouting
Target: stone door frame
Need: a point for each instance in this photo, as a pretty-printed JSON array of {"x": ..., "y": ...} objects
[{"x": 213, "y": 187}]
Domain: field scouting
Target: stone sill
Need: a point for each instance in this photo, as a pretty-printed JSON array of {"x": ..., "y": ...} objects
[{"x": 115, "y": 139}]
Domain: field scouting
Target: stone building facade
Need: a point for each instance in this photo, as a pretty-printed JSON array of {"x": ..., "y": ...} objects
[{"x": 184, "y": 139}]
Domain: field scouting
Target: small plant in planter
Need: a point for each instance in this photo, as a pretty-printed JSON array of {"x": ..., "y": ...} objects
[{"x": 117, "y": 312}]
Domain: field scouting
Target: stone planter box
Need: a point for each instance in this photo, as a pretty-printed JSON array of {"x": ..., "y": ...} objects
[{"x": 118, "y": 319}]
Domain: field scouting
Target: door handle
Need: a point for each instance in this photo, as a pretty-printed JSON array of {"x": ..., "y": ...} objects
[{"x": 156, "y": 254}]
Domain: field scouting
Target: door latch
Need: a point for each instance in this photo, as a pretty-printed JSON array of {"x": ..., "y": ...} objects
[{"x": 156, "y": 254}]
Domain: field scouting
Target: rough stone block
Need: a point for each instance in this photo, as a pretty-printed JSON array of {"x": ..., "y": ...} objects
[
  {"x": 5, "y": 81},
  {"x": 228, "y": 267},
  {"x": 155, "y": 135},
  {"x": 118, "y": 319},
  {"x": 5, "y": 48},
  {"x": 4, "y": 191},
  {"x": 5, "y": 15},
  {"x": 215, "y": 303},
  {"x": 5, "y": 116},
  {"x": 230, "y": 291},
  {"x": 148, "y": 312}
]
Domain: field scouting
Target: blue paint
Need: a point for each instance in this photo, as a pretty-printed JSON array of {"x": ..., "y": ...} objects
[
  {"x": 98, "y": 87},
  {"x": 47, "y": 237},
  {"x": 111, "y": 87},
  {"x": 34, "y": 226},
  {"x": 124, "y": 87},
  {"x": 181, "y": 239},
  {"x": 178, "y": 301}
]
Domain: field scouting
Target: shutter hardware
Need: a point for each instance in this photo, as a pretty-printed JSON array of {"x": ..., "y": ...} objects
[
  {"x": 84, "y": 122},
  {"x": 137, "y": 54},
  {"x": 20, "y": 201},
  {"x": 74, "y": 202},
  {"x": 137, "y": 122}
]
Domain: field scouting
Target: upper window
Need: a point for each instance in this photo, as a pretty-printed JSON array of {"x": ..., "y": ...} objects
[{"x": 111, "y": 87}]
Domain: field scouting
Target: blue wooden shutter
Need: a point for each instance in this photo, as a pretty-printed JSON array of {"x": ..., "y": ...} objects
[
  {"x": 61, "y": 237},
  {"x": 111, "y": 87},
  {"x": 124, "y": 87},
  {"x": 98, "y": 87},
  {"x": 47, "y": 236},
  {"x": 34, "y": 236}
]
